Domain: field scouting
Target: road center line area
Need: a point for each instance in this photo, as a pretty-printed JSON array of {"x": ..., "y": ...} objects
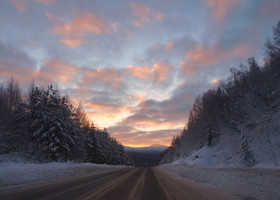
[{"x": 142, "y": 183}]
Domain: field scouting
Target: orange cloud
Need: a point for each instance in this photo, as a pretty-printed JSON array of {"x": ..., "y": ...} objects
[
  {"x": 74, "y": 32},
  {"x": 131, "y": 136},
  {"x": 221, "y": 8},
  {"x": 57, "y": 71},
  {"x": 215, "y": 81},
  {"x": 143, "y": 14},
  {"x": 202, "y": 56},
  {"x": 110, "y": 76},
  {"x": 72, "y": 43},
  {"x": 162, "y": 72},
  {"x": 169, "y": 46},
  {"x": 140, "y": 72}
]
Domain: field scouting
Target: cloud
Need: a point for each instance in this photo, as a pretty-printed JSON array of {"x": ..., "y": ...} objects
[
  {"x": 201, "y": 56},
  {"x": 270, "y": 8},
  {"x": 21, "y": 5},
  {"x": 143, "y": 15},
  {"x": 169, "y": 46},
  {"x": 54, "y": 71},
  {"x": 15, "y": 63},
  {"x": 109, "y": 76},
  {"x": 169, "y": 113},
  {"x": 45, "y": 2},
  {"x": 130, "y": 136},
  {"x": 140, "y": 72},
  {"x": 205, "y": 56},
  {"x": 220, "y": 9},
  {"x": 75, "y": 31},
  {"x": 72, "y": 43},
  {"x": 162, "y": 72}
]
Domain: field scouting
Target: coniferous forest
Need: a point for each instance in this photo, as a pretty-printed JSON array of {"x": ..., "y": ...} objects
[
  {"x": 45, "y": 126},
  {"x": 241, "y": 114}
]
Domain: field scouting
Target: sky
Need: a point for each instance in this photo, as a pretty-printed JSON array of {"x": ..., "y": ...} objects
[{"x": 136, "y": 66}]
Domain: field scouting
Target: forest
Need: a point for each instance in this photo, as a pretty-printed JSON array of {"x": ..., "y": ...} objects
[
  {"x": 240, "y": 115},
  {"x": 45, "y": 126}
]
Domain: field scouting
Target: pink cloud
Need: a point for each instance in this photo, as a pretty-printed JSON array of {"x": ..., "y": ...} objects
[
  {"x": 45, "y": 2},
  {"x": 159, "y": 72},
  {"x": 221, "y": 8},
  {"x": 74, "y": 32},
  {"x": 205, "y": 56},
  {"x": 201, "y": 56},
  {"x": 140, "y": 72},
  {"x": 72, "y": 43},
  {"x": 9, "y": 68},
  {"x": 143, "y": 14},
  {"x": 54, "y": 71},
  {"x": 21, "y": 5},
  {"x": 131, "y": 136},
  {"x": 162, "y": 71},
  {"x": 169, "y": 46},
  {"x": 270, "y": 8},
  {"x": 242, "y": 51},
  {"x": 110, "y": 76}
]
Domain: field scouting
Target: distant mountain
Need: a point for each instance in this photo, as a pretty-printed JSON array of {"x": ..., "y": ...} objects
[{"x": 145, "y": 156}]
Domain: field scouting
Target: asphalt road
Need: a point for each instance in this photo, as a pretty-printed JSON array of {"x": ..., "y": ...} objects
[{"x": 122, "y": 184}]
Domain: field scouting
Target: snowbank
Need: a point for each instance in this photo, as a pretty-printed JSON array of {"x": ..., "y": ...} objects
[
  {"x": 16, "y": 171},
  {"x": 226, "y": 153},
  {"x": 220, "y": 155},
  {"x": 248, "y": 183}
]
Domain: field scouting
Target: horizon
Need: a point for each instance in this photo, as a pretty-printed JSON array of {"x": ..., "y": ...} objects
[{"x": 136, "y": 66}]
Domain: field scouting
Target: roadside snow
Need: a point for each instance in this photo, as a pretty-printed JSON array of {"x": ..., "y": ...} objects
[
  {"x": 248, "y": 183},
  {"x": 16, "y": 171},
  {"x": 224, "y": 154}
]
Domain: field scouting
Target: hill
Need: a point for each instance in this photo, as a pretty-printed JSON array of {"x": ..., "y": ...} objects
[{"x": 237, "y": 123}]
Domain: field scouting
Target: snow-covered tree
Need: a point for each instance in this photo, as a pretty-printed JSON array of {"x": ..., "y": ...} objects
[
  {"x": 53, "y": 126},
  {"x": 246, "y": 154}
]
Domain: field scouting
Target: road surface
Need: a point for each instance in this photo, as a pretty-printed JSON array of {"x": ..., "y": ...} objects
[{"x": 122, "y": 184}]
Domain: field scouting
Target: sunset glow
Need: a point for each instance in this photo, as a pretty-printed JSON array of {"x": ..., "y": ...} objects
[{"x": 136, "y": 66}]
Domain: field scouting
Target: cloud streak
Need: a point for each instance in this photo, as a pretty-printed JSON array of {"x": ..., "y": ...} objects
[
  {"x": 143, "y": 15},
  {"x": 220, "y": 9},
  {"x": 75, "y": 31}
]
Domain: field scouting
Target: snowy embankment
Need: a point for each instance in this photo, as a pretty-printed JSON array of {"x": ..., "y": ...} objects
[
  {"x": 248, "y": 183},
  {"x": 220, "y": 166},
  {"x": 16, "y": 171}
]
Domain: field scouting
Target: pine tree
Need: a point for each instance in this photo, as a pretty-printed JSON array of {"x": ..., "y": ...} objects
[
  {"x": 53, "y": 126},
  {"x": 246, "y": 154}
]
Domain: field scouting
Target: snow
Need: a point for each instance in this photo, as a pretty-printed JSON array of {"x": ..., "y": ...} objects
[
  {"x": 15, "y": 170},
  {"x": 220, "y": 155},
  {"x": 248, "y": 183},
  {"x": 220, "y": 166},
  {"x": 226, "y": 153}
]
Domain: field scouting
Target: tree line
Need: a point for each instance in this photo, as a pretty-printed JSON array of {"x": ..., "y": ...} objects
[
  {"x": 245, "y": 107},
  {"x": 48, "y": 127}
]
